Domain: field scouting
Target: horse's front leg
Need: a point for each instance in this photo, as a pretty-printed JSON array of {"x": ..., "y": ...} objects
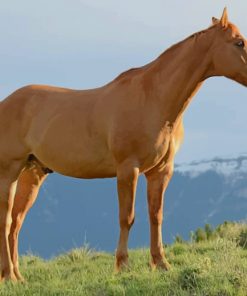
[
  {"x": 127, "y": 176},
  {"x": 157, "y": 181}
]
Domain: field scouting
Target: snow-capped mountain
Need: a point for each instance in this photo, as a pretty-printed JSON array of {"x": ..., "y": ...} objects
[
  {"x": 224, "y": 166},
  {"x": 69, "y": 212}
]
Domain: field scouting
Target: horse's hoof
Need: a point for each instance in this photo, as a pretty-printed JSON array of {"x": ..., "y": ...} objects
[
  {"x": 161, "y": 265},
  {"x": 121, "y": 264},
  {"x": 19, "y": 277},
  {"x": 9, "y": 277}
]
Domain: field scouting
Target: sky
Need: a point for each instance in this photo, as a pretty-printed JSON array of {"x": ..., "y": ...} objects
[{"x": 86, "y": 43}]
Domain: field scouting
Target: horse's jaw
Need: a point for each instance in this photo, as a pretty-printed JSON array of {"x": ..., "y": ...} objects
[{"x": 240, "y": 78}]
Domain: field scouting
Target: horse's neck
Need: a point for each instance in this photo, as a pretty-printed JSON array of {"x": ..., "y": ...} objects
[{"x": 177, "y": 75}]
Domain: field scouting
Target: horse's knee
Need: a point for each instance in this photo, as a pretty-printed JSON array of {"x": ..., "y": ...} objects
[
  {"x": 5, "y": 227},
  {"x": 127, "y": 222},
  {"x": 156, "y": 217}
]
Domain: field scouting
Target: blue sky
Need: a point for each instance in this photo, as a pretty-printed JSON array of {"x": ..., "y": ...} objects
[{"x": 86, "y": 43}]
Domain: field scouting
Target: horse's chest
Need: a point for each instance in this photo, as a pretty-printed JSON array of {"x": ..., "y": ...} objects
[
  {"x": 155, "y": 151},
  {"x": 147, "y": 145}
]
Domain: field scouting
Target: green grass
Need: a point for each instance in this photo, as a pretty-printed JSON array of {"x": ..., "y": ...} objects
[{"x": 214, "y": 267}]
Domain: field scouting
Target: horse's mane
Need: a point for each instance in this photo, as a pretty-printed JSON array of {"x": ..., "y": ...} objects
[
  {"x": 181, "y": 43},
  {"x": 133, "y": 71},
  {"x": 129, "y": 72}
]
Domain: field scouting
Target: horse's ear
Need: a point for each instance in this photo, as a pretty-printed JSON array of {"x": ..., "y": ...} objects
[
  {"x": 224, "y": 19},
  {"x": 215, "y": 21}
]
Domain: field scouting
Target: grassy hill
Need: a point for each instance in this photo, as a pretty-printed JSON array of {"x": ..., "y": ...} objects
[{"x": 214, "y": 263}]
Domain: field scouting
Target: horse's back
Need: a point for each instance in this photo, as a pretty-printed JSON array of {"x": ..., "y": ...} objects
[
  {"x": 65, "y": 129},
  {"x": 37, "y": 118}
]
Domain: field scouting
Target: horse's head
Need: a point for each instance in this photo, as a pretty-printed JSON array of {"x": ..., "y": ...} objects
[{"x": 229, "y": 50}]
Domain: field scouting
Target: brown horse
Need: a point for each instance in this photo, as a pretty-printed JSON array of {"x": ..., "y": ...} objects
[{"x": 131, "y": 126}]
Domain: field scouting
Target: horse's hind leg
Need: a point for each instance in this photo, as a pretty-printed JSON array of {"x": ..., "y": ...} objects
[
  {"x": 9, "y": 171},
  {"x": 29, "y": 182}
]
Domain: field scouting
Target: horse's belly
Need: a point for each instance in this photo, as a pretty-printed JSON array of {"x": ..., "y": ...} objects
[
  {"x": 80, "y": 157},
  {"x": 78, "y": 165},
  {"x": 87, "y": 169}
]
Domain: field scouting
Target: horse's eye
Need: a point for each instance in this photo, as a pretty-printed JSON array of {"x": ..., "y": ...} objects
[{"x": 240, "y": 43}]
